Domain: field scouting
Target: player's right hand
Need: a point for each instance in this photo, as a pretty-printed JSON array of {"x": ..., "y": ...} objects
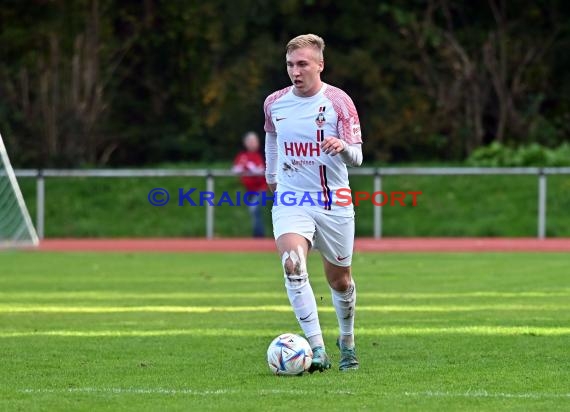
[
  {"x": 333, "y": 145},
  {"x": 272, "y": 187}
]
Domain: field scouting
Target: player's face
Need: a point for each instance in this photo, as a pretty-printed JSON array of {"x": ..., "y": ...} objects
[{"x": 304, "y": 67}]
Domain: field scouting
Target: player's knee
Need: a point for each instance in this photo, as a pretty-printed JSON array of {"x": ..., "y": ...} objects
[
  {"x": 294, "y": 262},
  {"x": 341, "y": 283},
  {"x": 294, "y": 266},
  {"x": 291, "y": 268}
]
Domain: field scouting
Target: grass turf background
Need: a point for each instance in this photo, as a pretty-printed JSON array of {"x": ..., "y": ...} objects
[{"x": 134, "y": 331}]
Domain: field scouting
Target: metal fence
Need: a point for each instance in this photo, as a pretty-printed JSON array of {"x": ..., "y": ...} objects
[{"x": 377, "y": 173}]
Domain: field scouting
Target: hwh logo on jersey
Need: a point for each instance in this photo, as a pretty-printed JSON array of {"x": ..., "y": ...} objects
[{"x": 302, "y": 149}]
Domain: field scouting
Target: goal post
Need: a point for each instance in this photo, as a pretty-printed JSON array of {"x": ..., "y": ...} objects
[{"x": 16, "y": 227}]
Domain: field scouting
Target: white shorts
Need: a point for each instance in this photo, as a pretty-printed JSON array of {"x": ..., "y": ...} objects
[{"x": 332, "y": 235}]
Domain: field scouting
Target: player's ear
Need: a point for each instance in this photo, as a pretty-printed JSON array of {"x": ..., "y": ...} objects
[{"x": 321, "y": 66}]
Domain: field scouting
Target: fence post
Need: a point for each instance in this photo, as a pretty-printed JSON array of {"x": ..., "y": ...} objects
[
  {"x": 541, "y": 204},
  {"x": 40, "y": 204},
  {"x": 377, "y": 209},
  {"x": 209, "y": 209}
]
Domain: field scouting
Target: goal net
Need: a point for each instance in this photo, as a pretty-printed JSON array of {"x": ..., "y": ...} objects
[{"x": 16, "y": 228}]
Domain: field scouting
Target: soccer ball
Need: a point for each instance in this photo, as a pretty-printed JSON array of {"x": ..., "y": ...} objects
[{"x": 289, "y": 354}]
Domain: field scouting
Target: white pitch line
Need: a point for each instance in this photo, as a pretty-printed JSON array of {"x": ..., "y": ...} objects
[
  {"x": 182, "y": 391},
  {"x": 138, "y": 391},
  {"x": 216, "y": 392},
  {"x": 486, "y": 394}
]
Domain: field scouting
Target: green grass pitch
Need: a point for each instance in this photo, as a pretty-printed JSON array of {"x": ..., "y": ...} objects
[{"x": 135, "y": 331}]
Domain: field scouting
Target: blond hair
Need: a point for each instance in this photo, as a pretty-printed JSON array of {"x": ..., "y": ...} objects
[{"x": 307, "y": 40}]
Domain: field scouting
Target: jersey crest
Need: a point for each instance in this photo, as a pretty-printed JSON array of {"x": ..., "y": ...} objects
[{"x": 321, "y": 120}]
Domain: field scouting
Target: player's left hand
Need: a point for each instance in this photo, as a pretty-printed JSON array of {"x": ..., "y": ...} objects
[{"x": 332, "y": 145}]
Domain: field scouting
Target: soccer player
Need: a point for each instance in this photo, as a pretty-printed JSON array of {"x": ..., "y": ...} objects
[
  {"x": 312, "y": 135},
  {"x": 249, "y": 162}
]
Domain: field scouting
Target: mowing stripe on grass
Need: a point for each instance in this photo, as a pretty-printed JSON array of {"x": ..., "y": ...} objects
[
  {"x": 112, "y": 294},
  {"x": 385, "y": 331},
  {"x": 24, "y": 308},
  {"x": 215, "y": 392}
]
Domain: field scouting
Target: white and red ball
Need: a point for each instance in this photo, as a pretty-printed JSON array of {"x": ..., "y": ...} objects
[{"x": 289, "y": 354}]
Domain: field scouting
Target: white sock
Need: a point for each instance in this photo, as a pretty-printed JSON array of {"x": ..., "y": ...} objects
[
  {"x": 304, "y": 305},
  {"x": 344, "y": 304}
]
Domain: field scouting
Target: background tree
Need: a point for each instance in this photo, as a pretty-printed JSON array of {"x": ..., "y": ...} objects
[{"x": 97, "y": 82}]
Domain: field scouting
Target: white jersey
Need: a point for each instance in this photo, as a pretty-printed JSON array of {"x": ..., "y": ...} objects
[{"x": 301, "y": 124}]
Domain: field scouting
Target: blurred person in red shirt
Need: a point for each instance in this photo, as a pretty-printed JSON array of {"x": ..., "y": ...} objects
[{"x": 250, "y": 165}]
